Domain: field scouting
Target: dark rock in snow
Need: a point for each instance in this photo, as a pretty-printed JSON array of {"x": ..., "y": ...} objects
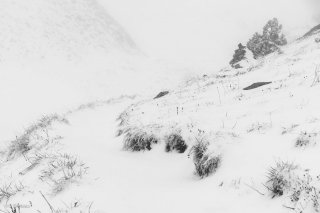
[
  {"x": 161, "y": 94},
  {"x": 256, "y": 85}
]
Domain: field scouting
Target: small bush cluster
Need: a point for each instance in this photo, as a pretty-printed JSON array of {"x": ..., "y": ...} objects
[
  {"x": 62, "y": 170},
  {"x": 175, "y": 142},
  {"x": 138, "y": 140},
  {"x": 306, "y": 139},
  {"x": 270, "y": 40},
  {"x": 205, "y": 163},
  {"x": 301, "y": 189}
]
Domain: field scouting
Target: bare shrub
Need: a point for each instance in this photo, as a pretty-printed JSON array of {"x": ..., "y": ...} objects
[
  {"x": 258, "y": 127},
  {"x": 175, "y": 142},
  {"x": 63, "y": 170},
  {"x": 205, "y": 163},
  {"x": 138, "y": 140},
  {"x": 9, "y": 190}
]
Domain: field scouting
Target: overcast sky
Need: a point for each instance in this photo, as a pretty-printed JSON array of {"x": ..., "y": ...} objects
[{"x": 206, "y": 29}]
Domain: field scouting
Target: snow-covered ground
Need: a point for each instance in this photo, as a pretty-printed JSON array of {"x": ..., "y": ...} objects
[
  {"x": 76, "y": 80},
  {"x": 77, "y": 162}
]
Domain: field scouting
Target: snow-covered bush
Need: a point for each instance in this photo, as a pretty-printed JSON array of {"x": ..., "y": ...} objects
[
  {"x": 37, "y": 132},
  {"x": 306, "y": 139},
  {"x": 205, "y": 163},
  {"x": 281, "y": 178},
  {"x": 138, "y": 140},
  {"x": 270, "y": 40},
  {"x": 175, "y": 142}
]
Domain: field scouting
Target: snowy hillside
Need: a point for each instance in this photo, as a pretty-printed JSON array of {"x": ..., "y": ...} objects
[
  {"x": 263, "y": 143},
  {"x": 251, "y": 131}
]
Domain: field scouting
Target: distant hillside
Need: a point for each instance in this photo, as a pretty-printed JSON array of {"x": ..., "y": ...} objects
[{"x": 41, "y": 29}]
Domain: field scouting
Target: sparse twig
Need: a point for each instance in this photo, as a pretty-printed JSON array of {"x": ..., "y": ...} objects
[
  {"x": 219, "y": 95},
  {"x": 288, "y": 207},
  {"x": 254, "y": 189},
  {"x": 50, "y": 206},
  {"x": 316, "y": 76},
  {"x": 89, "y": 211}
]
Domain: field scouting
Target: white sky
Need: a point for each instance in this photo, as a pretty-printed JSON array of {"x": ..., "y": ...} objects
[{"x": 202, "y": 30}]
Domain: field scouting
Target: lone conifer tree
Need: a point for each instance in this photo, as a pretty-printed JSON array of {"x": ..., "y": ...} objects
[{"x": 269, "y": 41}]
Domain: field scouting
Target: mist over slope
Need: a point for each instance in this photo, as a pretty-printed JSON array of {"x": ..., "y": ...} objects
[
  {"x": 205, "y": 31},
  {"x": 55, "y": 54}
]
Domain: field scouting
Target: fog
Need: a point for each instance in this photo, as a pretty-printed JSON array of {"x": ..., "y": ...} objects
[
  {"x": 315, "y": 8},
  {"x": 206, "y": 30}
]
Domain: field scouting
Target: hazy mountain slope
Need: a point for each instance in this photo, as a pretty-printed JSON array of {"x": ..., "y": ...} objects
[
  {"x": 56, "y": 54},
  {"x": 35, "y": 29}
]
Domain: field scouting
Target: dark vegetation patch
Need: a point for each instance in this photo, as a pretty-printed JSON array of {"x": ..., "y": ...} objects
[
  {"x": 175, "y": 142},
  {"x": 256, "y": 85},
  {"x": 139, "y": 141},
  {"x": 205, "y": 163}
]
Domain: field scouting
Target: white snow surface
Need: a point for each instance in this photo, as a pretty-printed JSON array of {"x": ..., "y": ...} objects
[{"x": 245, "y": 127}]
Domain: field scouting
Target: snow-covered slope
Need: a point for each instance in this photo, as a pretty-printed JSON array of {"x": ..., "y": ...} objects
[
  {"x": 251, "y": 130},
  {"x": 73, "y": 161}
]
